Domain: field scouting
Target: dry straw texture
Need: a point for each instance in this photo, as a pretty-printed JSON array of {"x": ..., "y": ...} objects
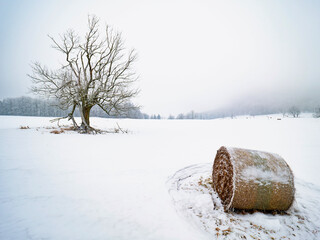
[{"x": 252, "y": 180}]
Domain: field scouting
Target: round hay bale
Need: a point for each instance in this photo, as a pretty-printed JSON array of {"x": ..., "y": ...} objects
[{"x": 252, "y": 180}]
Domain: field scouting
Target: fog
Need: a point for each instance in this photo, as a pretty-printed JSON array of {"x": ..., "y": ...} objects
[{"x": 193, "y": 55}]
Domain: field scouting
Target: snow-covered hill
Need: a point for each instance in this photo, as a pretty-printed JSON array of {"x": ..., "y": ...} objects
[{"x": 121, "y": 186}]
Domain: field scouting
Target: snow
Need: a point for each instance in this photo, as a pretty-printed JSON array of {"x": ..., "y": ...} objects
[
  {"x": 264, "y": 176},
  {"x": 120, "y": 186}
]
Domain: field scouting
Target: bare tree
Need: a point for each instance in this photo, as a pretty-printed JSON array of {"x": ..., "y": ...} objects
[
  {"x": 294, "y": 111},
  {"x": 284, "y": 112},
  {"x": 97, "y": 71},
  {"x": 316, "y": 113}
]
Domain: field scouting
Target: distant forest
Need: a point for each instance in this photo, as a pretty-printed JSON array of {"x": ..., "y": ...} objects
[
  {"x": 27, "y": 106},
  {"x": 252, "y": 110}
]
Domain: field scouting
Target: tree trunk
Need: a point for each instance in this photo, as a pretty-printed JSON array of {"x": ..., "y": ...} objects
[
  {"x": 85, "y": 117},
  {"x": 86, "y": 114}
]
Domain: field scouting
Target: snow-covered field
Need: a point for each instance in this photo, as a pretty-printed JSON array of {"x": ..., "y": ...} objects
[{"x": 145, "y": 184}]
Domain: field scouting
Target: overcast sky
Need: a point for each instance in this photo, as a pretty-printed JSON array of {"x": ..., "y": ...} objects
[{"x": 193, "y": 55}]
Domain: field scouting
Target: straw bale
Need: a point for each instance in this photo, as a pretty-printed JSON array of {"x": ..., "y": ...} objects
[{"x": 252, "y": 180}]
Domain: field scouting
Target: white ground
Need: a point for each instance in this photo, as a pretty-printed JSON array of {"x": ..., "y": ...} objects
[{"x": 124, "y": 186}]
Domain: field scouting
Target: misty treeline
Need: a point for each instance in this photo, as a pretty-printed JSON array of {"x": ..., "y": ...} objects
[
  {"x": 27, "y": 106},
  {"x": 288, "y": 111}
]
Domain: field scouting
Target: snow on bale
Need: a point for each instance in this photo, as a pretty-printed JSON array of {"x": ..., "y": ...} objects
[{"x": 252, "y": 180}]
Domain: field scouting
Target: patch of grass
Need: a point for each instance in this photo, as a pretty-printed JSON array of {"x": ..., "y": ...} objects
[
  {"x": 57, "y": 131},
  {"x": 68, "y": 129}
]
